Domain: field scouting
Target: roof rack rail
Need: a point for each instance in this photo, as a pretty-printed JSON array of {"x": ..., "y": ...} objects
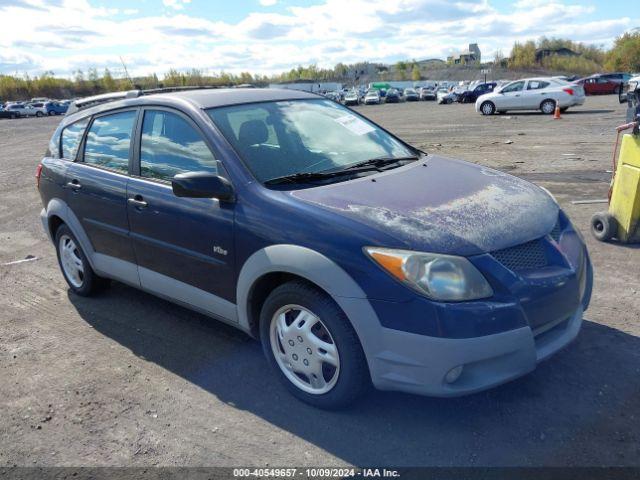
[
  {"x": 87, "y": 102},
  {"x": 92, "y": 101},
  {"x": 152, "y": 91}
]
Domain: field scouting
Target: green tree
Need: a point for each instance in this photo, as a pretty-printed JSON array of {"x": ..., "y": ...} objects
[
  {"x": 625, "y": 54},
  {"x": 415, "y": 73}
]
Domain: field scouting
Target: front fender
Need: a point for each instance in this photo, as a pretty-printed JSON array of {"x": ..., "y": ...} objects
[{"x": 316, "y": 268}]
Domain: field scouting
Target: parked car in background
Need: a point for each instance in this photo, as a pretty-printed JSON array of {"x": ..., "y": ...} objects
[
  {"x": 392, "y": 96},
  {"x": 531, "y": 94},
  {"x": 56, "y": 108},
  {"x": 600, "y": 85},
  {"x": 372, "y": 97},
  {"x": 410, "y": 95},
  {"x": 257, "y": 207},
  {"x": 618, "y": 77},
  {"x": 40, "y": 108},
  {"x": 21, "y": 110},
  {"x": 351, "y": 98},
  {"x": 471, "y": 95},
  {"x": 6, "y": 113},
  {"x": 446, "y": 96},
  {"x": 427, "y": 94}
]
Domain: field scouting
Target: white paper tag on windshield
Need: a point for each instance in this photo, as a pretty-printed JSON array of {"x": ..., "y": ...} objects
[{"x": 353, "y": 123}]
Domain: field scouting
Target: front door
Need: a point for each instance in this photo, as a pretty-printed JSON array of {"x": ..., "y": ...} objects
[
  {"x": 97, "y": 184},
  {"x": 511, "y": 96},
  {"x": 184, "y": 246}
]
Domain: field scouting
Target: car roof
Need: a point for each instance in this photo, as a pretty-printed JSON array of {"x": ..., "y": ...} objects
[
  {"x": 218, "y": 97},
  {"x": 194, "y": 98}
]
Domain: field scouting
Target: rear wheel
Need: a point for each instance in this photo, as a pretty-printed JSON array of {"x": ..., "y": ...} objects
[
  {"x": 310, "y": 343},
  {"x": 548, "y": 107},
  {"x": 74, "y": 264},
  {"x": 39, "y": 114},
  {"x": 488, "y": 108},
  {"x": 603, "y": 226}
]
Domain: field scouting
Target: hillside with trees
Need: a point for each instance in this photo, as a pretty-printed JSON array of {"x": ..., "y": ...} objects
[{"x": 588, "y": 59}]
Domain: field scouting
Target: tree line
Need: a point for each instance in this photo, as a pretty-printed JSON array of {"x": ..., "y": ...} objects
[{"x": 623, "y": 56}]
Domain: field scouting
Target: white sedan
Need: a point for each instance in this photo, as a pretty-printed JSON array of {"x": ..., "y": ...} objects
[
  {"x": 372, "y": 97},
  {"x": 531, "y": 94}
]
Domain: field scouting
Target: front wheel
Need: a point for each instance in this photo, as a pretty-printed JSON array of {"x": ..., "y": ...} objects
[
  {"x": 39, "y": 114},
  {"x": 488, "y": 108},
  {"x": 74, "y": 264},
  {"x": 310, "y": 343}
]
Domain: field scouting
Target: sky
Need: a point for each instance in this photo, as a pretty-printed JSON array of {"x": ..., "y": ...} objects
[{"x": 271, "y": 36}]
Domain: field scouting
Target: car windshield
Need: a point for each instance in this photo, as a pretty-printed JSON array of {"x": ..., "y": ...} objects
[{"x": 277, "y": 139}]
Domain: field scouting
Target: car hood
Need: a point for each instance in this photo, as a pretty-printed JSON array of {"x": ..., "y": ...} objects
[{"x": 443, "y": 205}]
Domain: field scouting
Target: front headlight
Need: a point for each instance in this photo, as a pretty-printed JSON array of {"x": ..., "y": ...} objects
[{"x": 439, "y": 277}]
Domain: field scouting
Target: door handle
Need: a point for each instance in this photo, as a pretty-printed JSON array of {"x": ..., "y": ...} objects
[
  {"x": 137, "y": 202},
  {"x": 74, "y": 185}
]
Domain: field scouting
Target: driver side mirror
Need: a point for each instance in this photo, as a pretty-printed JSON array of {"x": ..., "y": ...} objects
[{"x": 202, "y": 185}]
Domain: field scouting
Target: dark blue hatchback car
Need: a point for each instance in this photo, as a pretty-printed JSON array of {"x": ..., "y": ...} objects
[{"x": 354, "y": 257}]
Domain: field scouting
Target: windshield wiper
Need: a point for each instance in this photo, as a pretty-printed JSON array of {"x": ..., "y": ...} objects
[
  {"x": 378, "y": 162},
  {"x": 364, "y": 166},
  {"x": 303, "y": 176}
]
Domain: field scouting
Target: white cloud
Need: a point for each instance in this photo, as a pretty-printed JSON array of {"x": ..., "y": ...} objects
[
  {"x": 175, "y": 4},
  {"x": 64, "y": 35},
  {"x": 268, "y": 3}
]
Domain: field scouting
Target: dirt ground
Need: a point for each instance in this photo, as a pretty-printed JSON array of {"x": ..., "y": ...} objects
[{"x": 127, "y": 379}]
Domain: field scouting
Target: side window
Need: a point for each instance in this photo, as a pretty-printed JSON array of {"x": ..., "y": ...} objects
[
  {"x": 537, "y": 85},
  {"x": 170, "y": 145},
  {"x": 71, "y": 137},
  {"x": 513, "y": 87},
  {"x": 108, "y": 141}
]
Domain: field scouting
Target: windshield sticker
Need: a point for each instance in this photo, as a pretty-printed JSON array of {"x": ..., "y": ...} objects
[{"x": 353, "y": 123}]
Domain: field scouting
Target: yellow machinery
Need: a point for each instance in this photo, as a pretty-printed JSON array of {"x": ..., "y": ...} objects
[{"x": 622, "y": 221}]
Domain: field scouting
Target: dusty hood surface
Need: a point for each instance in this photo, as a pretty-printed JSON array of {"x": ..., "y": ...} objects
[{"x": 449, "y": 206}]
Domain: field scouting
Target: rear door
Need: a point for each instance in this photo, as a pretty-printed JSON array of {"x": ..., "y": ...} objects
[
  {"x": 184, "y": 246},
  {"x": 97, "y": 184},
  {"x": 535, "y": 93}
]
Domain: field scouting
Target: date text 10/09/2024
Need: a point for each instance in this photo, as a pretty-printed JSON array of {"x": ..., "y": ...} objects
[{"x": 315, "y": 472}]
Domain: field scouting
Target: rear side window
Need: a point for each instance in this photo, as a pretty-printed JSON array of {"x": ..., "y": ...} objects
[
  {"x": 537, "y": 85},
  {"x": 108, "y": 141},
  {"x": 71, "y": 137},
  {"x": 170, "y": 145}
]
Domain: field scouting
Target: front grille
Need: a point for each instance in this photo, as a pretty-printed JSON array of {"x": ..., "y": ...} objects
[
  {"x": 522, "y": 257},
  {"x": 555, "y": 233}
]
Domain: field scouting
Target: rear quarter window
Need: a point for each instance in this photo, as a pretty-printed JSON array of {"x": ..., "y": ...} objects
[{"x": 71, "y": 136}]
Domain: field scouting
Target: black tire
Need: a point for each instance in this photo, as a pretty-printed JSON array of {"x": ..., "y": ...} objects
[
  {"x": 488, "y": 108},
  {"x": 548, "y": 107},
  {"x": 91, "y": 283},
  {"x": 14, "y": 116},
  {"x": 39, "y": 114},
  {"x": 603, "y": 226},
  {"x": 353, "y": 376}
]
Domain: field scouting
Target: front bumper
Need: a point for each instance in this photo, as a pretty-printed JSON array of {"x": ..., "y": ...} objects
[{"x": 419, "y": 364}]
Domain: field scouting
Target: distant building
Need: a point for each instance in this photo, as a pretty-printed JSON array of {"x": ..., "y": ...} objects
[
  {"x": 542, "y": 53},
  {"x": 470, "y": 56}
]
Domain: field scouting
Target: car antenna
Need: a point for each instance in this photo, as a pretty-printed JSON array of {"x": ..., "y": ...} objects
[{"x": 126, "y": 72}]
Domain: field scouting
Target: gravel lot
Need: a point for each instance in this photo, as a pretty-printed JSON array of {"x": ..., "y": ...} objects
[{"x": 128, "y": 379}]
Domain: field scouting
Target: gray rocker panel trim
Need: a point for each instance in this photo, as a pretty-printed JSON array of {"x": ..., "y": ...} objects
[{"x": 139, "y": 277}]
